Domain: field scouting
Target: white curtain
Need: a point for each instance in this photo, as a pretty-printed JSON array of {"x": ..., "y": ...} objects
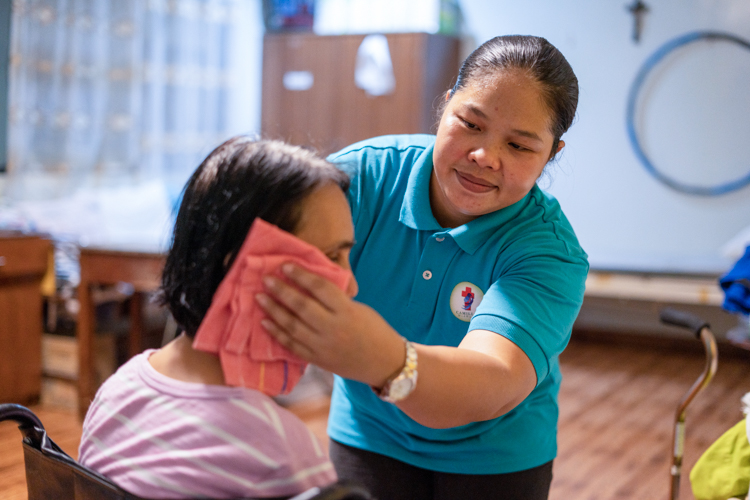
[{"x": 106, "y": 93}]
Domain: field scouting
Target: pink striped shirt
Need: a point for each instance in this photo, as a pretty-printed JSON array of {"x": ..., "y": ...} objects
[{"x": 163, "y": 438}]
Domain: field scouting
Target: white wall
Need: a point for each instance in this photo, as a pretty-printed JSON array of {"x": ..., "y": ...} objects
[{"x": 625, "y": 218}]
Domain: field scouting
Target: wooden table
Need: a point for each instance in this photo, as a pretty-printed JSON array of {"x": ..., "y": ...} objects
[{"x": 106, "y": 266}]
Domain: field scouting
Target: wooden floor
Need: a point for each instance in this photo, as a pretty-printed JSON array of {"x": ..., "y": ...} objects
[{"x": 617, "y": 407}]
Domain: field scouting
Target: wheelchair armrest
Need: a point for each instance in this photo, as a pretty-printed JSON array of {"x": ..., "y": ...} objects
[{"x": 28, "y": 423}]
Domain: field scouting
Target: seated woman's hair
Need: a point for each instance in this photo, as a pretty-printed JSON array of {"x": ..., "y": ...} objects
[{"x": 240, "y": 180}]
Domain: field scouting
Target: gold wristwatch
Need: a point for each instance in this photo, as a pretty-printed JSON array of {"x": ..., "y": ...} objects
[{"x": 400, "y": 386}]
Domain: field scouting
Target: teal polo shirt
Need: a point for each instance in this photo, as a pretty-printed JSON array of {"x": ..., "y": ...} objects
[{"x": 518, "y": 272}]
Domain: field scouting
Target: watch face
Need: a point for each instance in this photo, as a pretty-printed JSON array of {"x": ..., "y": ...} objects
[{"x": 400, "y": 388}]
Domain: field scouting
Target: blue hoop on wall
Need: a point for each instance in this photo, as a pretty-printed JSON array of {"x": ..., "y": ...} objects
[{"x": 650, "y": 63}]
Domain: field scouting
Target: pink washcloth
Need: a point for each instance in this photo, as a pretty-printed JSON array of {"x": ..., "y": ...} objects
[{"x": 249, "y": 356}]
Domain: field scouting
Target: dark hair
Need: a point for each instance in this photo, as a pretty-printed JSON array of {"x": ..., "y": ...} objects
[
  {"x": 240, "y": 180},
  {"x": 541, "y": 60}
]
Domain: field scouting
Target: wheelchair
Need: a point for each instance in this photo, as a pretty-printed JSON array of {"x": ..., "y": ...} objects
[{"x": 52, "y": 473}]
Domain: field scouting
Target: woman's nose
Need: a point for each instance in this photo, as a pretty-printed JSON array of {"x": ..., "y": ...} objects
[
  {"x": 486, "y": 156},
  {"x": 352, "y": 289}
]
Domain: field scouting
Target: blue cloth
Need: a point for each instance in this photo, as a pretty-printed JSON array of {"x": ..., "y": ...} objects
[
  {"x": 519, "y": 272},
  {"x": 736, "y": 286}
]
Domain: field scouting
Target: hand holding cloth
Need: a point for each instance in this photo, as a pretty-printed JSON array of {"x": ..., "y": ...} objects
[{"x": 232, "y": 328}]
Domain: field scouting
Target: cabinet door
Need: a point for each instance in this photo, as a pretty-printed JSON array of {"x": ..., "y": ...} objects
[
  {"x": 334, "y": 112},
  {"x": 307, "y": 116},
  {"x": 23, "y": 262},
  {"x": 20, "y": 342}
]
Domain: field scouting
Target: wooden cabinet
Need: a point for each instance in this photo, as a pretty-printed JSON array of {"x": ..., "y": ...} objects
[
  {"x": 334, "y": 112},
  {"x": 23, "y": 263}
]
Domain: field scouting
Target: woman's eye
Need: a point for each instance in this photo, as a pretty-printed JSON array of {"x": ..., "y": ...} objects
[
  {"x": 337, "y": 258},
  {"x": 470, "y": 125},
  {"x": 518, "y": 147}
]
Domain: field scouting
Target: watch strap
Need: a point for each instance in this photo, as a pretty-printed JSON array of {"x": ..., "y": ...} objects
[{"x": 405, "y": 381}]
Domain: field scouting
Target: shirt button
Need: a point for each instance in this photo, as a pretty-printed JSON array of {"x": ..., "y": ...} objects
[
  {"x": 439, "y": 238},
  {"x": 427, "y": 275}
]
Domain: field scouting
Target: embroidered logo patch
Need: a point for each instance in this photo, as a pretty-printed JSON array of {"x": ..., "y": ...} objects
[{"x": 465, "y": 298}]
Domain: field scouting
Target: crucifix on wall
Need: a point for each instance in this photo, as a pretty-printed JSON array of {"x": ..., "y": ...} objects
[{"x": 639, "y": 11}]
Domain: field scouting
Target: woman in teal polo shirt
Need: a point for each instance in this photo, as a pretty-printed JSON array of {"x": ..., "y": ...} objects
[{"x": 470, "y": 279}]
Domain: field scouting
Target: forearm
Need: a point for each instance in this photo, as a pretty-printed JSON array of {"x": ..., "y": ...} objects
[{"x": 457, "y": 386}]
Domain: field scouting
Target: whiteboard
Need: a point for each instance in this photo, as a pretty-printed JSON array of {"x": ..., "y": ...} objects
[{"x": 695, "y": 123}]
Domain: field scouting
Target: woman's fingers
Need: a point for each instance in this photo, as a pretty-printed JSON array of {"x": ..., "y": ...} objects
[
  {"x": 328, "y": 294},
  {"x": 285, "y": 327},
  {"x": 306, "y": 308},
  {"x": 286, "y": 340}
]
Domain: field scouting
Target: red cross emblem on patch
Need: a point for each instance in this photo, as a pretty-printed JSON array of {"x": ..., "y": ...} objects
[{"x": 468, "y": 296}]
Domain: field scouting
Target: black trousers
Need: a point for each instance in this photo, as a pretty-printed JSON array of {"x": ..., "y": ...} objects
[{"x": 390, "y": 479}]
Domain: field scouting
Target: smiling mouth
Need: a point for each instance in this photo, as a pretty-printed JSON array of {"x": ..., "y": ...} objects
[{"x": 474, "y": 184}]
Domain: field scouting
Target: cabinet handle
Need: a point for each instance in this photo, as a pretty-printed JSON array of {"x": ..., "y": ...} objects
[{"x": 2, "y": 261}]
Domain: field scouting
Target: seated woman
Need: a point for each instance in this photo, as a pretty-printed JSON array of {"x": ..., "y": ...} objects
[{"x": 196, "y": 418}]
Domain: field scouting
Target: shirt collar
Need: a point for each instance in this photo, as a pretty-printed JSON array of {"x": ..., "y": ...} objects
[{"x": 416, "y": 211}]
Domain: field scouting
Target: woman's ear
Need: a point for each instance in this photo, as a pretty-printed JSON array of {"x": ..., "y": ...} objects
[
  {"x": 448, "y": 96},
  {"x": 560, "y": 145}
]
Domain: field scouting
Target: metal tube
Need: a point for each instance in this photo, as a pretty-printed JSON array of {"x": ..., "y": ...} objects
[{"x": 678, "y": 441}]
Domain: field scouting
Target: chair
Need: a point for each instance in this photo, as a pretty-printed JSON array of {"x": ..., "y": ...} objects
[{"x": 51, "y": 473}]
